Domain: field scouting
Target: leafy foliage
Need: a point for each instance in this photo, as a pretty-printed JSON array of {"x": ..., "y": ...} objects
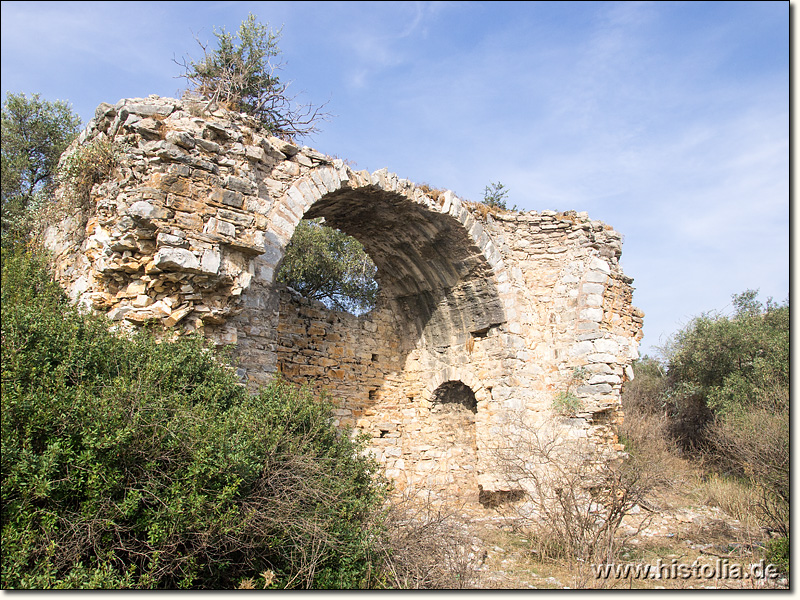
[
  {"x": 731, "y": 362},
  {"x": 326, "y": 264},
  {"x": 240, "y": 72},
  {"x": 778, "y": 554},
  {"x": 565, "y": 402},
  {"x": 495, "y": 194},
  {"x": 132, "y": 463},
  {"x": 34, "y": 134},
  {"x": 89, "y": 164},
  {"x": 725, "y": 392}
]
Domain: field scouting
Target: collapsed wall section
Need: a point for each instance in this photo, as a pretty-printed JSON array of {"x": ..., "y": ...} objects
[{"x": 506, "y": 311}]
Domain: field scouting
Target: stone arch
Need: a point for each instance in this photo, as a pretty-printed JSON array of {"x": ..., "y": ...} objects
[
  {"x": 440, "y": 276},
  {"x": 435, "y": 261},
  {"x": 189, "y": 231},
  {"x": 452, "y": 430},
  {"x": 442, "y": 377}
]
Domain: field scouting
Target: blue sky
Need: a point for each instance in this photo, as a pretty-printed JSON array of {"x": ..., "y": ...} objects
[{"x": 667, "y": 120}]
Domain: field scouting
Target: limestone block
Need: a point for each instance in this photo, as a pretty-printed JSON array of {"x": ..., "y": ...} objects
[
  {"x": 135, "y": 288},
  {"x": 166, "y": 239},
  {"x": 593, "y": 288},
  {"x": 581, "y": 348},
  {"x": 218, "y": 227},
  {"x": 591, "y": 314},
  {"x": 228, "y": 197},
  {"x": 606, "y": 345},
  {"x": 283, "y": 146},
  {"x": 182, "y": 139},
  {"x": 596, "y": 277},
  {"x": 210, "y": 262},
  {"x": 145, "y": 211},
  {"x": 141, "y": 301},
  {"x": 176, "y": 259}
]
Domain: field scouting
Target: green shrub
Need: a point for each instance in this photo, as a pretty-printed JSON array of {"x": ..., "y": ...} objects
[
  {"x": 778, "y": 554},
  {"x": 566, "y": 404},
  {"x": 89, "y": 164},
  {"x": 132, "y": 463}
]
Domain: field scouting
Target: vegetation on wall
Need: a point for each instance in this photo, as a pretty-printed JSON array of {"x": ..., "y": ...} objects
[{"x": 241, "y": 72}]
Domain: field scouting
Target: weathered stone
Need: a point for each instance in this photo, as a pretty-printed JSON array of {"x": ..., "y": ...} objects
[
  {"x": 238, "y": 184},
  {"x": 176, "y": 259},
  {"x": 482, "y": 318},
  {"x": 147, "y": 109},
  {"x": 182, "y": 139},
  {"x": 283, "y": 147},
  {"x": 165, "y": 239},
  {"x": 210, "y": 262},
  {"x": 145, "y": 211},
  {"x": 228, "y": 197},
  {"x": 219, "y": 227}
]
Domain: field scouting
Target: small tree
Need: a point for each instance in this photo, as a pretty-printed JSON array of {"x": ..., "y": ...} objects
[
  {"x": 241, "y": 73},
  {"x": 494, "y": 195},
  {"x": 325, "y": 264},
  {"x": 34, "y": 134}
]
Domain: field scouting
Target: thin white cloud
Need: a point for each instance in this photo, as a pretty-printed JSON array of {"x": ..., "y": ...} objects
[{"x": 626, "y": 113}]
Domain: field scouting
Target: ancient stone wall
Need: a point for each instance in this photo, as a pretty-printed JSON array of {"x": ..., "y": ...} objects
[{"x": 481, "y": 314}]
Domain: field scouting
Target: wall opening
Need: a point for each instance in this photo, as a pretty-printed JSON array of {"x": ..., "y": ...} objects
[
  {"x": 453, "y": 395},
  {"x": 325, "y": 264}
]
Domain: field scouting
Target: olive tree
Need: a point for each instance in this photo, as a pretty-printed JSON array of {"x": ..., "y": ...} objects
[
  {"x": 34, "y": 134},
  {"x": 325, "y": 264}
]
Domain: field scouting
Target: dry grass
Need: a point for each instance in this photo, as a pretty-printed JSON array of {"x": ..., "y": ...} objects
[{"x": 736, "y": 498}]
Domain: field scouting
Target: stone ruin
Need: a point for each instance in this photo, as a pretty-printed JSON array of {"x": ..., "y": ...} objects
[{"x": 481, "y": 313}]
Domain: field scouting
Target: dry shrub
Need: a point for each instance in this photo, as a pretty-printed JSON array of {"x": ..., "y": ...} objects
[
  {"x": 734, "y": 496},
  {"x": 574, "y": 498},
  {"x": 649, "y": 446},
  {"x": 428, "y": 546},
  {"x": 755, "y": 444}
]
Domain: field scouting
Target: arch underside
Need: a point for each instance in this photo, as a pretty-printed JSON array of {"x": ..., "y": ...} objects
[
  {"x": 428, "y": 266},
  {"x": 437, "y": 293}
]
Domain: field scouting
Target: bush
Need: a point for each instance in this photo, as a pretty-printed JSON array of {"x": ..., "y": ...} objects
[
  {"x": 132, "y": 463},
  {"x": 572, "y": 505},
  {"x": 242, "y": 73},
  {"x": 778, "y": 554},
  {"x": 89, "y": 164},
  {"x": 427, "y": 546},
  {"x": 565, "y": 402},
  {"x": 725, "y": 396}
]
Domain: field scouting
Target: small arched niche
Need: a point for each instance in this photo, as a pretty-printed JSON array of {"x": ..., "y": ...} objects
[
  {"x": 451, "y": 431},
  {"x": 454, "y": 396}
]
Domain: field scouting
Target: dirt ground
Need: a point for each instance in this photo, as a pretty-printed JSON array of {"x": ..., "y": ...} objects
[{"x": 684, "y": 543}]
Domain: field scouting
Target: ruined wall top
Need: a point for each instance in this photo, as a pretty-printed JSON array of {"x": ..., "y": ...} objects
[{"x": 204, "y": 200}]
